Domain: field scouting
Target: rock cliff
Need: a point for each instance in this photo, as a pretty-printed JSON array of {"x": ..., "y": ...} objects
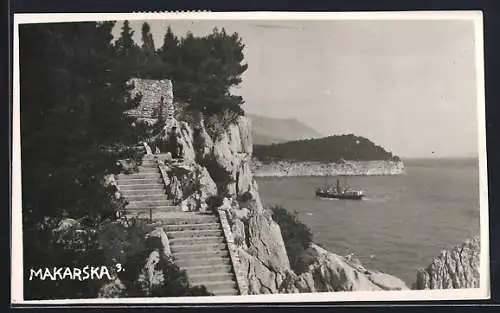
[
  {"x": 331, "y": 272},
  {"x": 351, "y": 168},
  {"x": 221, "y": 168},
  {"x": 454, "y": 268}
]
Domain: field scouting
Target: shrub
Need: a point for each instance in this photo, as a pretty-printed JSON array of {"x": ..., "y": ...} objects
[
  {"x": 296, "y": 236},
  {"x": 247, "y": 196},
  {"x": 214, "y": 202},
  {"x": 128, "y": 246},
  {"x": 217, "y": 124}
]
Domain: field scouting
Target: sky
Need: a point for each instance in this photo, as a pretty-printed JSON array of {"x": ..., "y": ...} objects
[{"x": 407, "y": 85}]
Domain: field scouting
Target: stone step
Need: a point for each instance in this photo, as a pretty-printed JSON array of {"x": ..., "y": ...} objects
[
  {"x": 196, "y": 219},
  {"x": 153, "y": 197},
  {"x": 138, "y": 187},
  {"x": 208, "y": 268},
  {"x": 202, "y": 255},
  {"x": 139, "y": 181},
  {"x": 195, "y": 240},
  {"x": 136, "y": 176},
  {"x": 198, "y": 247},
  {"x": 156, "y": 209},
  {"x": 214, "y": 284},
  {"x": 194, "y": 233},
  {"x": 162, "y": 201},
  {"x": 225, "y": 292},
  {"x": 143, "y": 192},
  {"x": 187, "y": 260},
  {"x": 161, "y": 206},
  {"x": 147, "y": 168},
  {"x": 145, "y": 213},
  {"x": 192, "y": 227},
  {"x": 199, "y": 279}
]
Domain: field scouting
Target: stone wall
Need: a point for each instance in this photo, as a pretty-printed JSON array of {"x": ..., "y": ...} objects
[
  {"x": 152, "y": 92},
  {"x": 233, "y": 253}
]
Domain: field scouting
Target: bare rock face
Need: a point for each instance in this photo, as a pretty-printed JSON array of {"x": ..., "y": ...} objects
[
  {"x": 191, "y": 185},
  {"x": 184, "y": 135},
  {"x": 244, "y": 176},
  {"x": 331, "y": 272},
  {"x": 72, "y": 235},
  {"x": 202, "y": 141},
  {"x": 151, "y": 276},
  {"x": 454, "y": 268},
  {"x": 260, "y": 278},
  {"x": 112, "y": 289},
  {"x": 238, "y": 229},
  {"x": 232, "y": 155},
  {"x": 266, "y": 243},
  {"x": 158, "y": 239},
  {"x": 357, "y": 168},
  {"x": 245, "y": 131}
]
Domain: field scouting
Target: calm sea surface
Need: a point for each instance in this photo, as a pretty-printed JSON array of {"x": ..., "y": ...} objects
[{"x": 404, "y": 221}]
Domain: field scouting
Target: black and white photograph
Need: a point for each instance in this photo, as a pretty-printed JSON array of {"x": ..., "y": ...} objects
[{"x": 249, "y": 157}]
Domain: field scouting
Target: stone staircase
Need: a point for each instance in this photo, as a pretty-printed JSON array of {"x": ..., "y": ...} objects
[
  {"x": 145, "y": 190},
  {"x": 198, "y": 246},
  {"x": 196, "y": 240}
]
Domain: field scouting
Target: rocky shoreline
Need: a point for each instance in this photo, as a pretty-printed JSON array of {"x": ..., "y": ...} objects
[{"x": 346, "y": 168}]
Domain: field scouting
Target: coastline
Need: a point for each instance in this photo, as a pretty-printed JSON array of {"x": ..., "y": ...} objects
[{"x": 346, "y": 168}]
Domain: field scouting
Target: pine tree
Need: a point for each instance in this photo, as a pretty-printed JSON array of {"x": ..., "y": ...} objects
[
  {"x": 169, "y": 53},
  {"x": 125, "y": 45},
  {"x": 209, "y": 66},
  {"x": 72, "y": 133},
  {"x": 72, "y": 99},
  {"x": 151, "y": 65},
  {"x": 148, "y": 45}
]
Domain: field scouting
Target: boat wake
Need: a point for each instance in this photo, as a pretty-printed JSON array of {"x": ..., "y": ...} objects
[{"x": 377, "y": 199}]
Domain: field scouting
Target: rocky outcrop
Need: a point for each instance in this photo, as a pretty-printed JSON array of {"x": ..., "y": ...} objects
[
  {"x": 347, "y": 168},
  {"x": 184, "y": 134},
  {"x": 152, "y": 274},
  {"x": 190, "y": 185},
  {"x": 231, "y": 158},
  {"x": 266, "y": 244},
  {"x": 330, "y": 272},
  {"x": 260, "y": 278},
  {"x": 454, "y": 268}
]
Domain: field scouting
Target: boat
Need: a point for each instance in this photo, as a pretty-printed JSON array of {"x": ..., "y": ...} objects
[{"x": 339, "y": 192}]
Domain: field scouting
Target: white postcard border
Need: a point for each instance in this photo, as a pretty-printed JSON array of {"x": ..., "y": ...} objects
[{"x": 459, "y": 294}]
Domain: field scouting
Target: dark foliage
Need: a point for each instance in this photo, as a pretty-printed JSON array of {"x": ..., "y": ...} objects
[
  {"x": 328, "y": 149},
  {"x": 214, "y": 202},
  {"x": 44, "y": 249},
  {"x": 74, "y": 90},
  {"x": 127, "y": 246},
  {"x": 296, "y": 235},
  {"x": 204, "y": 69},
  {"x": 72, "y": 129},
  {"x": 247, "y": 196}
]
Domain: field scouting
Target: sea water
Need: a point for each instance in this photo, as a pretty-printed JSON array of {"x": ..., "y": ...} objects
[{"x": 402, "y": 224}]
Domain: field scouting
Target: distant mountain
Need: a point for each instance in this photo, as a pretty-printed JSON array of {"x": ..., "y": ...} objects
[
  {"x": 267, "y": 130},
  {"x": 327, "y": 149}
]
